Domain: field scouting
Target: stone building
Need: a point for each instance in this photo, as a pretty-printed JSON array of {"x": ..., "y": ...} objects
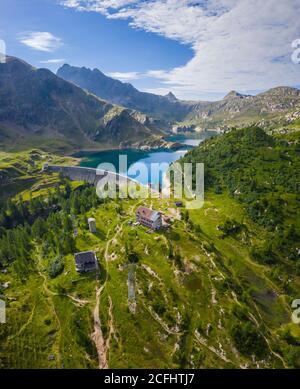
[
  {"x": 86, "y": 261},
  {"x": 92, "y": 225}
]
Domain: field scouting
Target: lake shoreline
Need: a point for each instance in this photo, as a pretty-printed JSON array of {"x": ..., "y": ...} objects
[
  {"x": 169, "y": 138},
  {"x": 152, "y": 162}
]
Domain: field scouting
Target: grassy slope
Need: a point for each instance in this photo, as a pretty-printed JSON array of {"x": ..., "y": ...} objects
[
  {"x": 19, "y": 172},
  {"x": 46, "y": 328}
]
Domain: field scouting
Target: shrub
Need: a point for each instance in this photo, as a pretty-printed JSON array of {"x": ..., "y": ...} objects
[
  {"x": 55, "y": 267},
  {"x": 264, "y": 255},
  {"x": 230, "y": 227},
  {"x": 248, "y": 340},
  {"x": 133, "y": 257}
]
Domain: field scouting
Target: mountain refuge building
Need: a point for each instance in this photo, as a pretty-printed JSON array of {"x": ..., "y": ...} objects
[{"x": 149, "y": 218}]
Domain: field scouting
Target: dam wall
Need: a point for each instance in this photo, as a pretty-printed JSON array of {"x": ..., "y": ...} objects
[
  {"x": 76, "y": 173},
  {"x": 87, "y": 174}
]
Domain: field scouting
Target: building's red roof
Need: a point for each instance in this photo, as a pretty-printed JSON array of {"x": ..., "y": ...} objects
[{"x": 147, "y": 213}]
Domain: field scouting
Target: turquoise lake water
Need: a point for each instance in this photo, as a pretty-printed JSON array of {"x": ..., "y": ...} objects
[{"x": 146, "y": 158}]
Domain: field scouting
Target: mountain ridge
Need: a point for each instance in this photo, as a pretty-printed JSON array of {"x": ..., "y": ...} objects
[
  {"x": 38, "y": 106},
  {"x": 124, "y": 94},
  {"x": 235, "y": 109}
]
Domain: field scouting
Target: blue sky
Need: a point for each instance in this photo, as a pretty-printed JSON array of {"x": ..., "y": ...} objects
[{"x": 196, "y": 49}]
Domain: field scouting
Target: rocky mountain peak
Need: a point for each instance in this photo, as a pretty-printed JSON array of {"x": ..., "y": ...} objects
[
  {"x": 170, "y": 96},
  {"x": 36, "y": 105},
  {"x": 233, "y": 94}
]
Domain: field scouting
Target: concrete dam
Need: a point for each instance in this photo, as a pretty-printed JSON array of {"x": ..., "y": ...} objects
[{"x": 89, "y": 175}]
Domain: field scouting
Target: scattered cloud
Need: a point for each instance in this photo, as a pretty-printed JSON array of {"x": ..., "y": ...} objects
[
  {"x": 53, "y": 61},
  {"x": 102, "y": 6},
  {"x": 125, "y": 76},
  {"x": 160, "y": 74},
  {"x": 42, "y": 41},
  {"x": 237, "y": 44}
]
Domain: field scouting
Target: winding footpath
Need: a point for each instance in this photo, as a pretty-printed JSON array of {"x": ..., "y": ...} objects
[
  {"x": 97, "y": 335},
  {"x": 101, "y": 344}
]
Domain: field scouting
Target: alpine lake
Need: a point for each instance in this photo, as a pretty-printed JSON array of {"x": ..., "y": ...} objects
[{"x": 110, "y": 159}]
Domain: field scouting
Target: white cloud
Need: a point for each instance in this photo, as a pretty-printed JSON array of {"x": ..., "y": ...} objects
[
  {"x": 156, "y": 74},
  {"x": 53, "y": 61},
  {"x": 42, "y": 41},
  {"x": 101, "y": 6},
  {"x": 125, "y": 76},
  {"x": 237, "y": 44}
]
